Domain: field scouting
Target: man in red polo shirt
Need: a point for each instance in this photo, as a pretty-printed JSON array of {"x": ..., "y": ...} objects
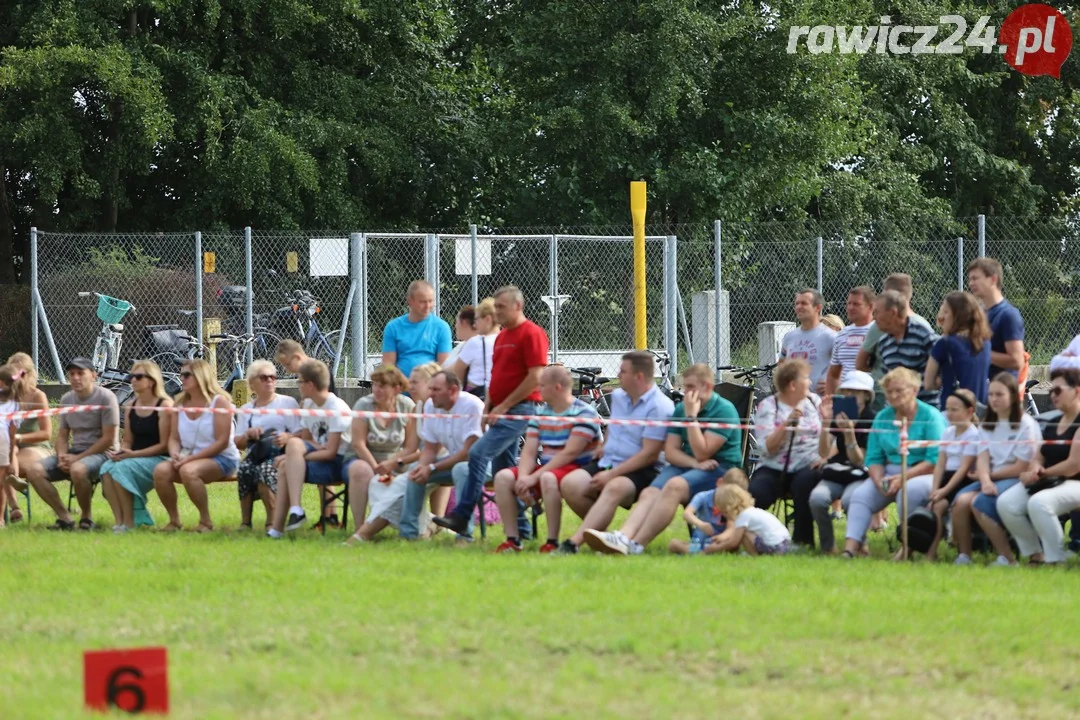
[{"x": 520, "y": 354}]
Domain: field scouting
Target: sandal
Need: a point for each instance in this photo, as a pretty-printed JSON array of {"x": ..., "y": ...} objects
[
  {"x": 171, "y": 528},
  {"x": 16, "y": 516},
  {"x": 847, "y": 555},
  {"x": 65, "y": 525},
  {"x": 354, "y": 539},
  {"x": 200, "y": 528},
  {"x": 87, "y": 524}
]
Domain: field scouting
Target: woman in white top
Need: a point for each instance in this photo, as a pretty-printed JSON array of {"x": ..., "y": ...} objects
[
  {"x": 201, "y": 448},
  {"x": 1010, "y": 438},
  {"x": 464, "y": 329},
  {"x": 787, "y": 427},
  {"x": 473, "y": 366},
  {"x": 262, "y": 436}
]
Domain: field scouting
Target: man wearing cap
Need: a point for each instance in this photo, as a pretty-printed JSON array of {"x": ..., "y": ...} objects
[
  {"x": 844, "y": 450},
  {"x": 81, "y": 444}
]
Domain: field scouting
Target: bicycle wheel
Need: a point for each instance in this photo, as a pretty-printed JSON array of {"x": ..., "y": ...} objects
[
  {"x": 264, "y": 347},
  {"x": 101, "y": 355},
  {"x": 324, "y": 347},
  {"x": 168, "y": 362}
]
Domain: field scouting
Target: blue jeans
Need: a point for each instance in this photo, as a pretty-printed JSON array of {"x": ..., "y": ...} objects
[
  {"x": 495, "y": 450},
  {"x": 414, "y": 501},
  {"x": 987, "y": 504}
]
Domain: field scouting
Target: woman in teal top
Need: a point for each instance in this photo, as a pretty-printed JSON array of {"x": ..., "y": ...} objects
[{"x": 883, "y": 456}]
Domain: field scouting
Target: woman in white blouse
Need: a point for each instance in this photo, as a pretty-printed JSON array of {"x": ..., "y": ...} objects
[{"x": 473, "y": 366}]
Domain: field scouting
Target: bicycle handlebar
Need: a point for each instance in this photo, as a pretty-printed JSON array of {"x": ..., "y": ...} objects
[
  {"x": 244, "y": 339},
  {"x": 86, "y": 293}
]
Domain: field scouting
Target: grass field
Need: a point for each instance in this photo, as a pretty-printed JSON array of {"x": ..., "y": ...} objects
[{"x": 305, "y": 628}]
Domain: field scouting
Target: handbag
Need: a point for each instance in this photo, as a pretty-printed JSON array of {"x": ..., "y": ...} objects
[
  {"x": 1044, "y": 483},
  {"x": 262, "y": 450},
  {"x": 842, "y": 474},
  {"x": 922, "y": 527}
]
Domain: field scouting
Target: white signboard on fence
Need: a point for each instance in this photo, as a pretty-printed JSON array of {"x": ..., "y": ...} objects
[
  {"x": 463, "y": 256},
  {"x": 328, "y": 256}
]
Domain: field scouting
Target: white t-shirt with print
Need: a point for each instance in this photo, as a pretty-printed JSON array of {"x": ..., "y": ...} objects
[
  {"x": 763, "y": 524},
  {"x": 814, "y": 346},
  {"x": 270, "y": 424},
  {"x": 321, "y": 427},
  {"x": 955, "y": 454},
  {"x": 1001, "y": 442}
]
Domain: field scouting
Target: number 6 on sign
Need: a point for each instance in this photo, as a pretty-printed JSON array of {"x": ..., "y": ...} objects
[{"x": 134, "y": 681}]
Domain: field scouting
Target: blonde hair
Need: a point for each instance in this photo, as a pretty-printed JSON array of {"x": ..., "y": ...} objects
[
  {"x": 259, "y": 367},
  {"x": 788, "y": 371},
  {"x": 737, "y": 478},
  {"x": 152, "y": 371},
  {"x": 732, "y": 500},
  {"x": 317, "y": 373},
  {"x": 392, "y": 375},
  {"x": 206, "y": 380},
  {"x": 427, "y": 370},
  {"x": 26, "y": 381},
  {"x": 833, "y": 322},
  {"x": 486, "y": 308},
  {"x": 902, "y": 375},
  {"x": 287, "y": 348}
]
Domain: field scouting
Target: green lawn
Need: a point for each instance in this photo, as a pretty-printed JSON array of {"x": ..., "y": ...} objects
[{"x": 305, "y": 628}]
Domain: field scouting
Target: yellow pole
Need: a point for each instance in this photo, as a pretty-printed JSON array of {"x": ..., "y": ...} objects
[{"x": 637, "y": 212}]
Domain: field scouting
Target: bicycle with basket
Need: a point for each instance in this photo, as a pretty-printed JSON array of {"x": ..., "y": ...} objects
[{"x": 110, "y": 339}]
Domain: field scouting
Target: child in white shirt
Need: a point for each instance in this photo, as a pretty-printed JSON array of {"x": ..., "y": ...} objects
[
  {"x": 756, "y": 531},
  {"x": 954, "y": 461}
]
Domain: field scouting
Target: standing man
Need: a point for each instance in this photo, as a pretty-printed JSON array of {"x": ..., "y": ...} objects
[
  {"x": 417, "y": 337},
  {"x": 811, "y": 341},
  {"x": 1006, "y": 324},
  {"x": 81, "y": 445},
  {"x": 904, "y": 342},
  {"x": 860, "y": 313},
  {"x": 444, "y": 458},
  {"x": 520, "y": 355}
]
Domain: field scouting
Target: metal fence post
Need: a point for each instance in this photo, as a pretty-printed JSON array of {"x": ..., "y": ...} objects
[
  {"x": 718, "y": 275},
  {"x": 671, "y": 310},
  {"x": 553, "y": 290},
  {"x": 358, "y": 335},
  {"x": 981, "y": 229},
  {"x": 34, "y": 296},
  {"x": 431, "y": 266},
  {"x": 960, "y": 263},
  {"x": 820, "y": 264},
  {"x": 249, "y": 302},
  {"x": 364, "y": 316},
  {"x": 475, "y": 280},
  {"x": 198, "y": 288}
]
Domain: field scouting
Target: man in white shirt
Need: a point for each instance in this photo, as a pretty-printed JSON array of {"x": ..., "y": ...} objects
[
  {"x": 316, "y": 454},
  {"x": 811, "y": 341},
  {"x": 860, "y": 313},
  {"x": 444, "y": 458}
]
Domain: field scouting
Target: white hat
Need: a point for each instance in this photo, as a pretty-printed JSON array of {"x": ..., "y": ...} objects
[{"x": 857, "y": 380}]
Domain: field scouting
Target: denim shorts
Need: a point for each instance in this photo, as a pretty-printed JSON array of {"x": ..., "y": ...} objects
[
  {"x": 326, "y": 472},
  {"x": 987, "y": 504},
  {"x": 227, "y": 464},
  {"x": 92, "y": 463},
  {"x": 698, "y": 480}
]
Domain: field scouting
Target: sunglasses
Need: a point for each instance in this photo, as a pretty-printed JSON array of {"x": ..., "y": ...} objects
[
  {"x": 267, "y": 378},
  {"x": 1055, "y": 391},
  {"x": 138, "y": 376},
  {"x": 186, "y": 374}
]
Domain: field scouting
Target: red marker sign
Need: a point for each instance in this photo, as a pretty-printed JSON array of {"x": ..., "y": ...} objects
[
  {"x": 135, "y": 680},
  {"x": 1036, "y": 39}
]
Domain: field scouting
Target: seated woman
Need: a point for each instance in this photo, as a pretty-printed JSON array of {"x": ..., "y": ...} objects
[
  {"x": 379, "y": 445},
  {"x": 201, "y": 449},
  {"x": 844, "y": 451},
  {"x": 262, "y": 436},
  {"x": 788, "y": 425},
  {"x": 32, "y": 440},
  {"x": 387, "y": 499},
  {"x": 128, "y": 475},
  {"x": 883, "y": 456},
  {"x": 1009, "y": 438},
  {"x": 1050, "y": 487},
  {"x": 473, "y": 365}
]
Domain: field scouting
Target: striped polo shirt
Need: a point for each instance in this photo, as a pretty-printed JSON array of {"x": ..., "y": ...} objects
[
  {"x": 554, "y": 430},
  {"x": 912, "y": 351}
]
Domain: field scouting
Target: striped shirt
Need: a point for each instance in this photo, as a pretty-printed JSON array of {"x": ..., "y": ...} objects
[
  {"x": 911, "y": 351},
  {"x": 846, "y": 348},
  {"x": 555, "y": 432}
]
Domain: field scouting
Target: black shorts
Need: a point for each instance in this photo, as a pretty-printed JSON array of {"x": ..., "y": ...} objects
[{"x": 641, "y": 478}]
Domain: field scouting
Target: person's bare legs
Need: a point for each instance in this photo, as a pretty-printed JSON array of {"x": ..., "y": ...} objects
[
  {"x": 127, "y": 505},
  {"x": 748, "y": 543},
  {"x": 578, "y": 492},
  {"x": 440, "y": 498},
  {"x": 938, "y": 509},
  {"x": 268, "y": 499},
  {"x": 370, "y": 529},
  {"x": 679, "y": 547},
  {"x": 676, "y": 492},
  {"x": 195, "y": 476},
  {"x": 165, "y": 478},
  {"x": 961, "y": 522},
  {"x": 108, "y": 490},
  {"x": 246, "y": 504},
  {"x": 360, "y": 474},
  {"x": 618, "y": 491},
  {"x": 640, "y": 511},
  {"x": 996, "y": 535},
  {"x": 549, "y": 490},
  {"x": 84, "y": 490},
  {"x": 506, "y": 501},
  {"x": 35, "y": 476}
]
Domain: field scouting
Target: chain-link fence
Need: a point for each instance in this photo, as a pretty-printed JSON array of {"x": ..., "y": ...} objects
[{"x": 708, "y": 291}]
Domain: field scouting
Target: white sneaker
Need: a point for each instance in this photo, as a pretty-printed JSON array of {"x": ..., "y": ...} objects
[
  {"x": 119, "y": 529},
  {"x": 609, "y": 543},
  {"x": 635, "y": 548},
  {"x": 962, "y": 559},
  {"x": 1002, "y": 561}
]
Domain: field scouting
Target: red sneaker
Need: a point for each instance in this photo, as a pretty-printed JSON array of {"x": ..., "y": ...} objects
[
  {"x": 508, "y": 547},
  {"x": 548, "y": 548}
]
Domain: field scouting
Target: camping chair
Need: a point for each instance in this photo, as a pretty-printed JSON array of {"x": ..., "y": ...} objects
[{"x": 29, "y": 511}]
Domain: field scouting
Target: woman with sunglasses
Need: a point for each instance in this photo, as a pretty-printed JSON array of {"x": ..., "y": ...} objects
[
  {"x": 1009, "y": 437},
  {"x": 128, "y": 475},
  {"x": 262, "y": 436},
  {"x": 1051, "y": 485},
  {"x": 201, "y": 449}
]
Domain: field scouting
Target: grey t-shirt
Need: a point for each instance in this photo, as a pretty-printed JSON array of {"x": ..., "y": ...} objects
[
  {"x": 814, "y": 346},
  {"x": 86, "y": 426}
]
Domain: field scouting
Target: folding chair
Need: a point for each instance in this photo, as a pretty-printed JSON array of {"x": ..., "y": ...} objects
[{"x": 328, "y": 496}]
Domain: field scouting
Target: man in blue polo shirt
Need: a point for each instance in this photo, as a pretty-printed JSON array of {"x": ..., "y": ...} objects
[
  {"x": 1006, "y": 324},
  {"x": 904, "y": 342},
  {"x": 418, "y": 336}
]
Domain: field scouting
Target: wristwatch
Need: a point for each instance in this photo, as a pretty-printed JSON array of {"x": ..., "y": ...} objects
[{"x": 431, "y": 467}]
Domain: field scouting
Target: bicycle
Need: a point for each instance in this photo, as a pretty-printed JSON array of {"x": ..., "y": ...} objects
[
  {"x": 590, "y": 389},
  {"x": 110, "y": 311},
  {"x": 237, "y": 344},
  {"x": 305, "y": 307},
  {"x": 664, "y": 363},
  {"x": 170, "y": 346}
]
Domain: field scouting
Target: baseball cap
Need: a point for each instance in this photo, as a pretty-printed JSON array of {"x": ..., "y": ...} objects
[
  {"x": 857, "y": 380},
  {"x": 80, "y": 363}
]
